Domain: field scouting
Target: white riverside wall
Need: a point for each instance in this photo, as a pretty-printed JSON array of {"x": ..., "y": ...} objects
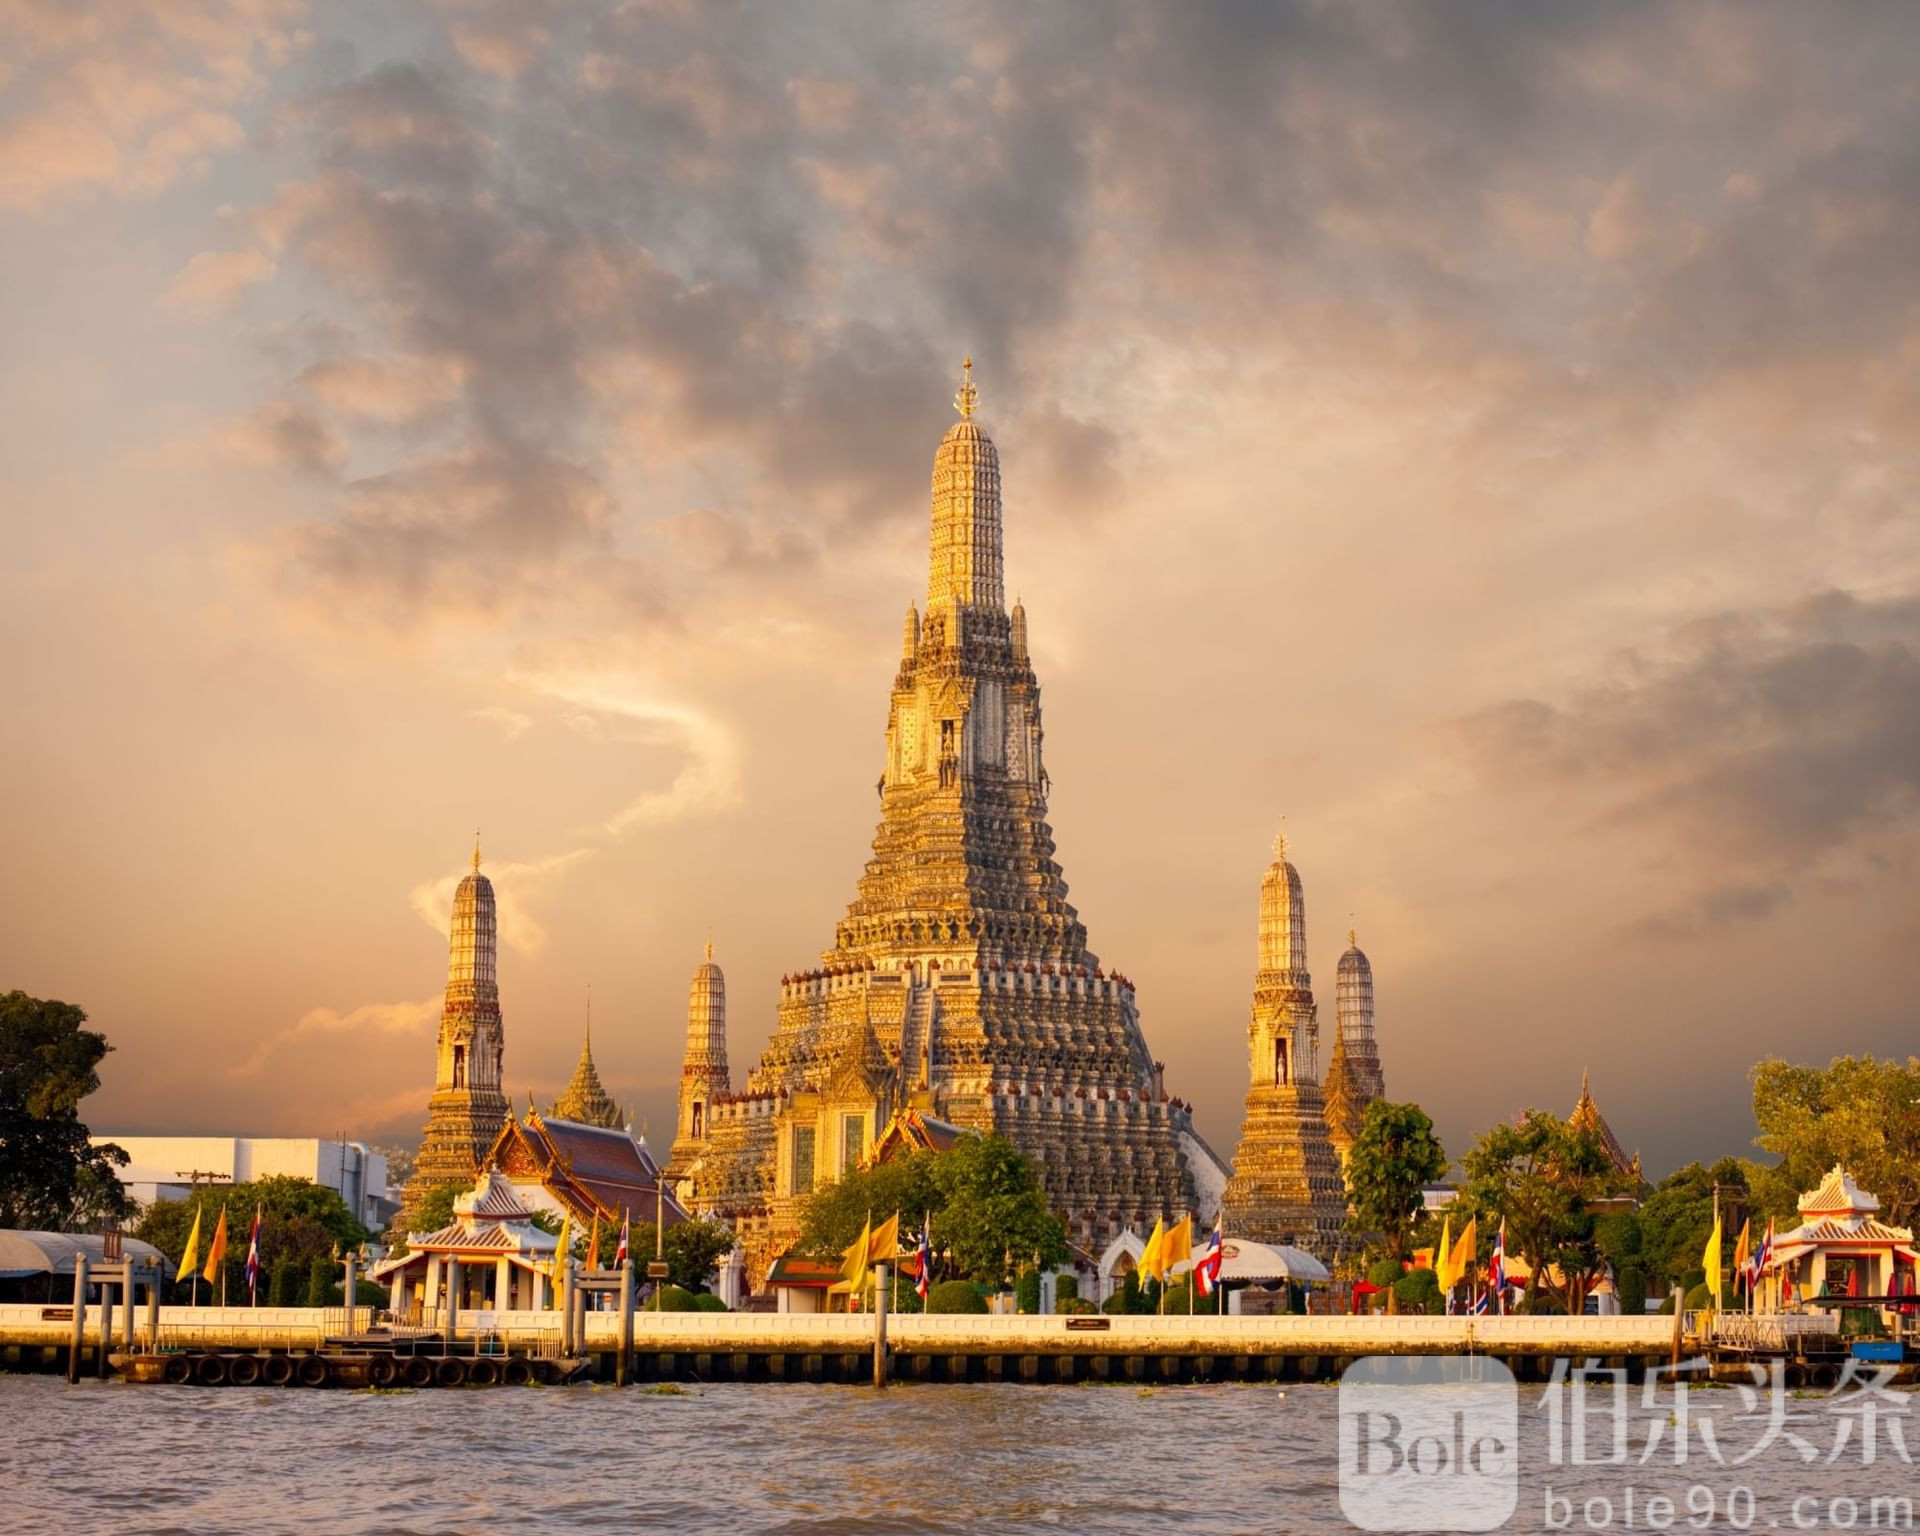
[{"x": 803, "y": 1333}]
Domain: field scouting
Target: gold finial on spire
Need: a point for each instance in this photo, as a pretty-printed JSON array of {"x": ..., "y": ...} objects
[
  {"x": 969, "y": 397},
  {"x": 476, "y": 850},
  {"x": 709, "y": 944},
  {"x": 1280, "y": 842},
  {"x": 1353, "y": 937}
]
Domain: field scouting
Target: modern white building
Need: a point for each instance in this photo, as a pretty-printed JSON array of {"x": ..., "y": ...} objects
[{"x": 168, "y": 1167}]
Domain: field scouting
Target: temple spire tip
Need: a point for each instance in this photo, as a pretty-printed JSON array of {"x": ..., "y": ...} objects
[{"x": 968, "y": 399}]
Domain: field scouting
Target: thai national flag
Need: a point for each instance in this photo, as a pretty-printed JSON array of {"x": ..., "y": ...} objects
[
  {"x": 253, "y": 1261},
  {"x": 923, "y": 1261},
  {"x": 620, "y": 1257},
  {"x": 1762, "y": 1256},
  {"x": 1207, "y": 1270},
  {"x": 1482, "y": 1304}
]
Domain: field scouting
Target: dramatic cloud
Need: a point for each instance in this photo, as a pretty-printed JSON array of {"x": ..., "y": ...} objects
[{"x": 1762, "y": 742}]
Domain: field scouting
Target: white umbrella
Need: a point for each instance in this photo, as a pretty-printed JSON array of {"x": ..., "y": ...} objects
[{"x": 1242, "y": 1260}]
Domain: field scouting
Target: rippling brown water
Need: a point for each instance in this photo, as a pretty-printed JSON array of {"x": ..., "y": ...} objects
[{"x": 156, "y": 1461}]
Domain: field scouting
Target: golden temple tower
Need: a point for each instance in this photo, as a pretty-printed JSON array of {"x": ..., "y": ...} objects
[
  {"x": 959, "y": 983},
  {"x": 585, "y": 1101},
  {"x": 1354, "y": 1078},
  {"x": 704, "y": 1077},
  {"x": 1286, "y": 1185},
  {"x": 468, "y": 1106}
]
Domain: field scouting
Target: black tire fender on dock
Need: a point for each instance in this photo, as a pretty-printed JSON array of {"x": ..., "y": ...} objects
[
  {"x": 244, "y": 1370},
  {"x": 210, "y": 1371},
  {"x": 483, "y": 1373},
  {"x": 311, "y": 1371},
  {"x": 179, "y": 1370},
  {"x": 381, "y": 1371},
  {"x": 417, "y": 1372},
  {"x": 517, "y": 1373},
  {"x": 276, "y": 1370},
  {"x": 450, "y": 1372}
]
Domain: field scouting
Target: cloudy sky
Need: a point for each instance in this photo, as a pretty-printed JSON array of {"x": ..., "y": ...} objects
[{"x": 1483, "y": 435}]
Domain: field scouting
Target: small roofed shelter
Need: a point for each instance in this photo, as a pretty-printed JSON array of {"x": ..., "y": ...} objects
[
  {"x": 1840, "y": 1247},
  {"x": 1254, "y": 1275},
  {"x": 38, "y": 1266},
  {"x": 800, "y": 1283},
  {"x": 505, "y": 1262},
  {"x": 593, "y": 1172}
]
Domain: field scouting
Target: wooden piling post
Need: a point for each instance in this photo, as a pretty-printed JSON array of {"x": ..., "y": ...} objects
[
  {"x": 126, "y": 1317},
  {"x": 79, "y": 1317},
  {"x": 106, "y": 1321},
  {"x": 350, "y": 1293},
  {"x": 566, "y": 1308},
  {"x": 880, "y": 1326},
  {"x": 623, "y": 1365},
  {"x": 1680, "y": 1313},
  {"x": 153, "y": 1306},
  {"x": 452, "y": 1314}
]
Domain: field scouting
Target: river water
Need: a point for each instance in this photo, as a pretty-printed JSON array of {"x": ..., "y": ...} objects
[{"x": 163, "y": 1461}]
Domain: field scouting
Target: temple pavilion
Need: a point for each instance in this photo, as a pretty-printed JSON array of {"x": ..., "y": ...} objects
[
  {"x": 505, "y": 1262},
  {"x": 1841, "y": 1247}
]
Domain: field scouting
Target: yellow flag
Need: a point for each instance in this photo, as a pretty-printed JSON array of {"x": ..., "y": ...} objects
[
  {"x": 854, "y": 1270},
  {"x": 1465, "y": 1251},
  {"x": 1177, "y": 1246},
  {"x": 885, "y": 1239},
  {"x": 1443, "y": 1255},
  {"x": 1711, "y": 1261},
  {"x": 217, "y": 1249},
  {"x": 1150, "y": 1264},
  {"x": 560, "y": 1254},
  {"x": 192, "y": 1256}
]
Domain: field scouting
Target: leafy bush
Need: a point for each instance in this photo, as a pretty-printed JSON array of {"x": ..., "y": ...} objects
[
  {"x": 955, "y": 1296},
  {"x": 285, "y": 1286},
  {"x": 320, "y": 1282},
  {"x": 1631, "y": 1282},
  {"x": 1384, "y": 1272},
  {"x": 1419, "y": 1288},
  {"x": 1026, "y": 1291},
  {"x": 1699, "y": 1296},
  {"x": 1073, "y": 1306},
  {"x": 1066, "y": 1288},
  {"x": 1115, "y": 1305},
  {"x": 673, "y": 1298},
  {"x": 706, "y": 1301}
]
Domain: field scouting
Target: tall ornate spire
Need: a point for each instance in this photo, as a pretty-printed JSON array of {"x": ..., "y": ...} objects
[
  {"x": 468, "y": 1106},
  {"x": 1354, "y": 1078},
  {"x": 1286, "y": 1178},
  {"x": 704, "y": 1076},
  {"x": 585, "y": 1100},
  {"x": 964, "y": 568}
]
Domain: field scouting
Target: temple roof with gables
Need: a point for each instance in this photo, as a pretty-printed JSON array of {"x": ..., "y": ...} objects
[
  {"x": 592, "y": 1170},
  {"x": 910, "y": 1131},
  {"x": 1586, "y": 1116},
  {"x": 490, "y": 1220},
  {"x": 1839, "y": 1216}
]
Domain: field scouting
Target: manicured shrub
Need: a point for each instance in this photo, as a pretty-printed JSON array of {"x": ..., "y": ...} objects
[
  {"x": 1631, "y": 1282},
  {"x": 1115, "y": 1305},
  {"x": 955, "y": 1296},
  {"x": 1072, "y": 1306},
  {"x": 1065, "y": 1288},
  {"x": 1026, "y": 1291},
  {"x": 706, "y": 1301},
  {"x": 320, "y": 1282},
  {"x": 1419, "y": 1288},
  {"x": 285, "y": 1284},
  {"x": 674, "y": 1299}
]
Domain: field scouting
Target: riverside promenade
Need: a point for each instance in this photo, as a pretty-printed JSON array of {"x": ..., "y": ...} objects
[{"x": 748, "y": 1346}]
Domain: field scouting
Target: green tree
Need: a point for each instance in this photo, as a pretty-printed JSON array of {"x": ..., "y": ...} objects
[
  {"x": 1418, "y": 1289},
  {"x": 994, "y": 1218},
  {"x": 834, "y": 1213},
  {"x": 300, "y": 1221},
  {"x": 1541, "y": 1176},
  {"x": 51, "y": 1177},
  {"x": 990, "y": 1216},
  {"x": 1395, "y": 1156},
  {"x": 320, "y": 1282},
  {"x": 1856, "y": 1111},
  {"x": 1676, "y": 1218}
]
